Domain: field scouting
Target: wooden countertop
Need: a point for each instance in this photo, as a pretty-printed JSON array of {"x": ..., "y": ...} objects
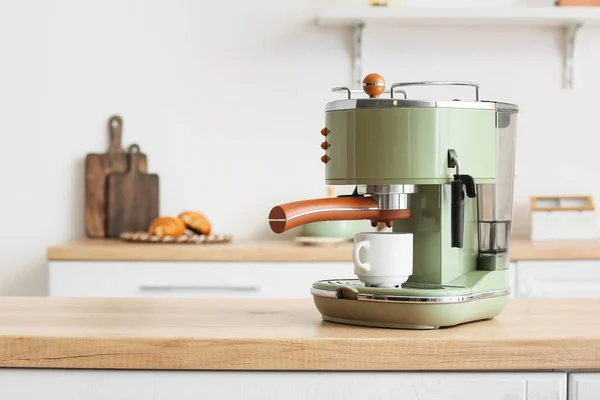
[
  {"x": 275, "y": 250},
  {"x": 280, "y": 250},
  {"x": 260, "y": 334}
]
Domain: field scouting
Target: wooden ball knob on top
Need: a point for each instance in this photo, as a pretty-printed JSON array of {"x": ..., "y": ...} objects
[{"x": 374, "y": 85}]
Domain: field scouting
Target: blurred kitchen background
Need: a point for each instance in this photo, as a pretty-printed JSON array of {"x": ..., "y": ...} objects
[{"x": 227, "y": 100}]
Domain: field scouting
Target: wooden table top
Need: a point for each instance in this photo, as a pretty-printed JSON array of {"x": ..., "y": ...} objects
[
  {"x": 279, "y": 250},
  {"x": 262, "y": 334}
]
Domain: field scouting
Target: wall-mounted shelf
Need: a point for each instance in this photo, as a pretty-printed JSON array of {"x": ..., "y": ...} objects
[{"x": 570, "y": 19}]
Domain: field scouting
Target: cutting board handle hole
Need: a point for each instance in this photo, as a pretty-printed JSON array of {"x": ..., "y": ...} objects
[
  {"x": 115, "y": 122},
  {"x": 134, "y": 149}
]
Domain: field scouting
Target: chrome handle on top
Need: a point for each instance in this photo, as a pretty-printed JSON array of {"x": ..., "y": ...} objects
[
  {"x": 360, "y": 91},
  {"x": 444, "y": 83},
  {"x": 344, "y": 88},
  {"x": 392, "y": 91}
]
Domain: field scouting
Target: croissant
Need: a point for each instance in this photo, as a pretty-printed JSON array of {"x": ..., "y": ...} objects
[
  {"x": 196, "y": 222},
  {"x": 167, "y": 226}
]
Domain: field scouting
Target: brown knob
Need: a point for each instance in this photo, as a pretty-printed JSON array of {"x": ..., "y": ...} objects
[
  {"x": 324, "y": 131},
  {"x": 325, "y": 159},
  {"x": 374, "y": 85},
  {"x": 325, "y": 145}
]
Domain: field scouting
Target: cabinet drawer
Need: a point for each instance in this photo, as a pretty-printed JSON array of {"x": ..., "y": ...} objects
[
  {"x": 584, "y": 386},
  {"x": 558, "y": 279},
  {"x": 191, "y": 279}
]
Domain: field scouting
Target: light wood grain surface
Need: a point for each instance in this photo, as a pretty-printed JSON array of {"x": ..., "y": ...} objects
[
  {"x": 200, "y": 334},
  {"x": 279, "y": 250},
  {"x": 275, "y": 250}
]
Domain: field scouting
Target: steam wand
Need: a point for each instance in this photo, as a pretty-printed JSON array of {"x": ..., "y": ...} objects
[{"x": 457, "y": 206}]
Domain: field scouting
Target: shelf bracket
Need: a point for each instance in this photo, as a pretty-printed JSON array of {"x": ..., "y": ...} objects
[
  {"x": 358, "y": 55},
  {"x": 570, "y": 35}
]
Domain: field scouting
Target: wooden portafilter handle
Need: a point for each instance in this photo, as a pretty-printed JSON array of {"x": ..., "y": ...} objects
[{"x": 287, "y": 216}]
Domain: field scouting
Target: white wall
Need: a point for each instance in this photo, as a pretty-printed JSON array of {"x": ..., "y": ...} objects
[{"x": 227, "y": 98}]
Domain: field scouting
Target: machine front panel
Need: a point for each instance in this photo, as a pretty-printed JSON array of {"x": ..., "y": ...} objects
[{"x": 409, "y": 145}]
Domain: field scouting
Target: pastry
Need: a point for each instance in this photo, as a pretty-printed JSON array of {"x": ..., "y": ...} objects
[
  {"x": 196, "y": 222},
  {"x": 167, "y": 226}
]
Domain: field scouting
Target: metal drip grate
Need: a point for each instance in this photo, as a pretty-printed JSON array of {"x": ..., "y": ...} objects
[
  {"x": 358, "y": 284},
  {"x": 407, "y": 285}
]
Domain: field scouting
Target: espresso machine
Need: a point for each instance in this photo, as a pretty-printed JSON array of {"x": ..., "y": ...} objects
[{"x": 441, "y": 170}]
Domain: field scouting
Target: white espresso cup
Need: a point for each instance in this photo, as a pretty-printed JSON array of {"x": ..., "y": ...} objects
[{"x": 383, "y": 258}]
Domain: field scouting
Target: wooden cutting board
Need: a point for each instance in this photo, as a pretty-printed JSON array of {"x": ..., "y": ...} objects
[
  {"x": 97, "y": 168},
  {"x": 132, "y": 198}
]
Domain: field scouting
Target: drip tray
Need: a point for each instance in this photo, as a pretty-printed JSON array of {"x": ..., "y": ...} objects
[{"x": 408, "y": 306}]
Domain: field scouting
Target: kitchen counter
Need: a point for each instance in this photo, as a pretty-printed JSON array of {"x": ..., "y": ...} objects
[
  {"x": 280, "y": 250},
  {"x": 275, "y": 250},
  {"x": 259, "y": 334}
]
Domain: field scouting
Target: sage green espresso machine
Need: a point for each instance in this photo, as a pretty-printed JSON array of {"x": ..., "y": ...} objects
[{"x": 440, "y": 170}]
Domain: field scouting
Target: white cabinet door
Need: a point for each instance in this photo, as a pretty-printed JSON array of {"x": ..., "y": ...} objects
[
  {"x": 584, "y": 386},
  {"x": 191, "y": 279},
  {"x": 558, "y": 279},
  {"x": 21, "y": 384}
]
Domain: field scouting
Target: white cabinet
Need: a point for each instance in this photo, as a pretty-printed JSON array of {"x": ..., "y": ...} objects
[
  {"x": 584, "y": 386},
  {"x": 190, "y": 279},
  {"x": 558, "y": 279},
  {"x": 16, "y": 384},
  {"x": 534, "y": 279}
]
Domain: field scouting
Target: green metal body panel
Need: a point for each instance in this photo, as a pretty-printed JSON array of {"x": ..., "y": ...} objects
[
  {"x": 409, "y": 145},
  {"x": 407, "y": 316},
  {"x": 434, "y": 260}
]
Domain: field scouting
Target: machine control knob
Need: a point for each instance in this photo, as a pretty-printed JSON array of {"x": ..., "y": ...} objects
[
  {"x": 325, "y": 159},
  {"x": 324, "y": 131},
  {"x": 325, "y": 145},
  {"x": 374, "y": 85}
]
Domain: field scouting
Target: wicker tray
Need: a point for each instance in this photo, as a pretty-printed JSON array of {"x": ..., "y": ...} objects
[{"x": 145, "y": 237}]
